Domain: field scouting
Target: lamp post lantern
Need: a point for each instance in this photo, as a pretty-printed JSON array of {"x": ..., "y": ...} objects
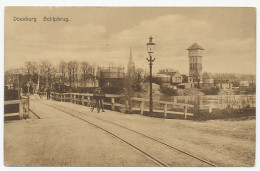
[{"x": 150, "y": 49}]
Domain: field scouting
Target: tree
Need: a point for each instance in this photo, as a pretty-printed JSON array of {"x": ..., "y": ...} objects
[
  {"x": 62, "y": 68},
  {"x": 135, "y": 84},
  {"x": 84, "y": 68},
  {"x": 31, "y": 71},
  {"x": 31, "y": 67},
  {"x": 46, "y": 72},
  {"x": 87, "y": 72},
  {"x": 73, "y": 72}
]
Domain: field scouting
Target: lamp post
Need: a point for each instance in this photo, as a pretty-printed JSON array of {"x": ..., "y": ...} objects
[{"x": 150, "y": 48}]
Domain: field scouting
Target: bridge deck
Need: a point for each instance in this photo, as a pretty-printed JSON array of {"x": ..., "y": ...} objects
[{"x": 58, "y": 139}]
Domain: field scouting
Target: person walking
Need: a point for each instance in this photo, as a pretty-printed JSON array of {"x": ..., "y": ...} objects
[{"x": 98, "y": 97}]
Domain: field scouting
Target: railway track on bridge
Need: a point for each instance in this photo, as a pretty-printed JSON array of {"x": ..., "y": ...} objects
[{"x": 160, "y": 159}]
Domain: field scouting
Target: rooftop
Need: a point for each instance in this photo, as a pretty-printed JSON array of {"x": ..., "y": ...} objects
[
  {"x": 195, "y": 46},
  {"x": 207, "y": 75}
]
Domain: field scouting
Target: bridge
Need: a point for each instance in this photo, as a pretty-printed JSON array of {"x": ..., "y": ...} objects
[
  {"x": 128, "y": 104},
  {"x": 64, "y": 132}
]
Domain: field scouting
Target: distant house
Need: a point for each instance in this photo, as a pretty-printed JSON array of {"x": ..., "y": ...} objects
[
  {"x": 187, "y": 82},
  {"x": 243, "y": 84},
  {"x": 168, "y": 78},
  {"x": 176, "y": 78},
  {"x": 223, "y": 84},
  {"x": 208, "y": 80}
]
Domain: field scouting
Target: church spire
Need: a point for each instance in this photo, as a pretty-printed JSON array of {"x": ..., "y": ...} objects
[{"x": 131, "y": 62}]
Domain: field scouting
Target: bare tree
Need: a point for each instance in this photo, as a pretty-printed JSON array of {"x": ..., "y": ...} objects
[
  {"x": 139, "y": 77},
  {"x": 73, "y": 72},
  {"x": 62, "y": 71},
  {"x": 69, "y": 68},
  {"x": 31, "y": 67},
  {"x": 84, "y": 69},
  {"x": 46, "y": 71}
]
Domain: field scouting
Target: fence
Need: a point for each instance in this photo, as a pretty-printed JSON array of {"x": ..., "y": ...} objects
[
  {"x": 123, "y": 102},
  {"x": 23, "y": 107},
  {"x": 208, "y": 102}
]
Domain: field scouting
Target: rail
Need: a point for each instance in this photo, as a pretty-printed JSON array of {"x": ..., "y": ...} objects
[
  {"x": 126, "y": 103},
  {"x": 23, "y": 107}
]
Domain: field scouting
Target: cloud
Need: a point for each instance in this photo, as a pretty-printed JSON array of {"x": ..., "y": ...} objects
[{"x": 173, "y": 34}]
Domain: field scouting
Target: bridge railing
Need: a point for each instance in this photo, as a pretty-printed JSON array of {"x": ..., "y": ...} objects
[
  {"x": 166, "y": 105},
  {"x": 121, "y": 101},
  {"x": 23, "y": 107}
]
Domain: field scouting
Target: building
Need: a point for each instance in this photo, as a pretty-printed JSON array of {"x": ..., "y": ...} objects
[
  {"x": 167, "y": 71},
  {"x": 195, "y": 53},
  {"x": 223, "y": 84},
  {"x": 244, "y": 84},
  {"x": 111, "y": 78},
  {"x": 176, "y": 78},
  {"x": 168, "y": 78},
  {"x": 187, "y": 82},
  {"x": 208, "y": 80},
  {"x": 165, "y": 81}
]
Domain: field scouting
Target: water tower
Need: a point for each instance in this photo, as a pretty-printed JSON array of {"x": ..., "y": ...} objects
[{"x": 195, "y": 53}]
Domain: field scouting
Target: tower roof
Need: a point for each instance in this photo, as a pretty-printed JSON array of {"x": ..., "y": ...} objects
[{"x": 195, "y": 46}]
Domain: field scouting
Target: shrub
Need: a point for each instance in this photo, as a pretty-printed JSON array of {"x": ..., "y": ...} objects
[
  {"x": 169, "y": 91},
  {"x": 210, "y": 90},
  {"x": 112, "y": 90}
]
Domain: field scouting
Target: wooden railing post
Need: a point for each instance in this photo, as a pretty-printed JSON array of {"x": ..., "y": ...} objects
[
  {"x": 142, "y": 108},
  {"x": 21, "y": 109},
  {"x": 165, "y": 110},
  {"x": 88, "y": 104},
  {"x": 210, "y": 108},
  {"x": 113, "y": 103},
  {"x": 126, "y": 105},
  {"x": 28, "y": 108},
  {"x": 83, "y": 98},
  {"x": 185, "y": 112}
]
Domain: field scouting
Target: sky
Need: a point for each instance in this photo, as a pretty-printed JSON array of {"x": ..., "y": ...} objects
[{"x": 104, "y": 35}]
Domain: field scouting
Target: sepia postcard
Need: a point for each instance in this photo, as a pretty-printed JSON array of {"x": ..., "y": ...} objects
[{"x": 130, "y": 86}]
